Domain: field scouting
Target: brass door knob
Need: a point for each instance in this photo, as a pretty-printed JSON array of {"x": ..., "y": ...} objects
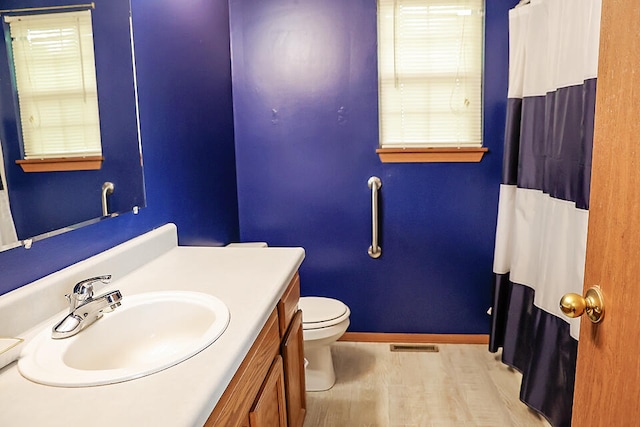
[{"x": 574, "y": 305}]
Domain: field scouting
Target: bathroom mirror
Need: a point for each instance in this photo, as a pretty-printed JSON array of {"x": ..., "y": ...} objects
[{"x": 48, "y": 203}]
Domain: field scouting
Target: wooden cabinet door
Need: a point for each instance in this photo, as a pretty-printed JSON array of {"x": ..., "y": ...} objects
[
  {"x": 607, "y": 388},
  {"x": 269, "y": 409},
  {"x": 293, "y": 355}
]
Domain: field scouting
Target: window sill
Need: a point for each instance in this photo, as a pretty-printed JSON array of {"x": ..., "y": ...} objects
[
  {"x": 61, "y": 164},
  {"x": 431, "y": 155}
]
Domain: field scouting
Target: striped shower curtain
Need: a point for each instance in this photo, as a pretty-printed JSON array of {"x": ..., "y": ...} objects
[{"x": 544, "y": 196}]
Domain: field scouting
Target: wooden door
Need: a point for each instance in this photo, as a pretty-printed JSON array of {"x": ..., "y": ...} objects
[
  {"x": 269, "y": 409},
  {"x": 607, "y": 389},
  {"x": 293, "y": 356}
]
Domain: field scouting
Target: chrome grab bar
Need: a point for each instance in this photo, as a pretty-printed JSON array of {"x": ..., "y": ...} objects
[
  {"x": 107, "y": 189},
  {"x": 374, "y": 184}
]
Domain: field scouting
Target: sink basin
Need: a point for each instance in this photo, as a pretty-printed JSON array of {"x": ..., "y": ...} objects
[{"x": 149, "y": 332}]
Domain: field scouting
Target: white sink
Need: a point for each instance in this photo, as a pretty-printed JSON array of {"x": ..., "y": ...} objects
[{"x": 149, "y": 332}]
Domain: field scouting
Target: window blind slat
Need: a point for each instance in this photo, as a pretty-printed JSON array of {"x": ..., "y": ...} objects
[{"x": 430, "y": 72}]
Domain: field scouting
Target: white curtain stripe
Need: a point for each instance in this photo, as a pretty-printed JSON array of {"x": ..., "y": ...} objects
[
  {"x": 504, "y": 230},
  {"x": 552, "y": 30}
]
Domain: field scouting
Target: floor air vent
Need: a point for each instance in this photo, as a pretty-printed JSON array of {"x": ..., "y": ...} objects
[{"x": 426, "y": 348}]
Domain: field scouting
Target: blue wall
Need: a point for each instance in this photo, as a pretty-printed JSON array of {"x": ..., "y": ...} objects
[
  {"x": 305, "y": 111},
  {"x": 187, "y": 134}
]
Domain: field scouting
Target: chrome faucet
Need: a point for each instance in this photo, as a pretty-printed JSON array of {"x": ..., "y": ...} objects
[{"x": 84, "y": 309}]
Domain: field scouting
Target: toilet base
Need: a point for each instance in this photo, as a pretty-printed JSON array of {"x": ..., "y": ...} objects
[{"x": 319, "y": 374}]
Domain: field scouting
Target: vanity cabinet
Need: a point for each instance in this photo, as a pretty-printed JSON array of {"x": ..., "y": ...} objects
[{"x": 268, "y": 389}]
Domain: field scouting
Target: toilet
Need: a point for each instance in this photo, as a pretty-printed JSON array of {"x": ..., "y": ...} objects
[{"x": 324, "y": 321}]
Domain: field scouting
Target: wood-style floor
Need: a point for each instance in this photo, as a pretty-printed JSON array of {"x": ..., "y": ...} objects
[{"x": 461, "y": 385}]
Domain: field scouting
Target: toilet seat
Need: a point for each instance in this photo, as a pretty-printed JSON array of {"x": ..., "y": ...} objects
[{"x": 321, "y": 312}]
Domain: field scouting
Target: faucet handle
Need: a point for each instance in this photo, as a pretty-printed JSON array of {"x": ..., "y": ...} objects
[{"x": 84, "y": 290}]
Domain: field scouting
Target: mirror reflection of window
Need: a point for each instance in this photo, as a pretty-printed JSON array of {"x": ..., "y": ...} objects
[{"x": 54, "y": 66}]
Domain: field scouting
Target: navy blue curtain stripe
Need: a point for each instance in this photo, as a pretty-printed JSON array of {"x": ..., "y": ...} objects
[
  {"x": 519, "y": 332},
  {"x": 538, "y": 345},
  {"x": 512, "y": 141},
  {"x": 556, "y": 158},
  {"x": 500, "y": 300},
  {"x": 589, "y": 105},
  {"x": 554, "y": 359}
]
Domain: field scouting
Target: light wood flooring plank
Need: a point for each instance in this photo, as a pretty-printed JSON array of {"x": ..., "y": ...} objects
[{"x": 461, "y": 385}]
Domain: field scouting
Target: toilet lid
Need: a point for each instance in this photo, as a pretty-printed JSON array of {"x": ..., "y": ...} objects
[{"x": 320, "y": 312}]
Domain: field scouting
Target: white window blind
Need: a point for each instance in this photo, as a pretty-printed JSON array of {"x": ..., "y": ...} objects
[
  {"x": 56, "y": 83},
  {"x": 430, "y": 72}
]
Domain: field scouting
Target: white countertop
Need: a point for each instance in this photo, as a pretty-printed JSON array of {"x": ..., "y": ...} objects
[{"x": 249, "y": 280}]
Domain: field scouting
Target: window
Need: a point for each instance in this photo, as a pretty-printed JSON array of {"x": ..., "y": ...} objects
[
  {"x": 55, "y": 76},
  {"x": 430, "y": 77}
]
